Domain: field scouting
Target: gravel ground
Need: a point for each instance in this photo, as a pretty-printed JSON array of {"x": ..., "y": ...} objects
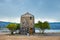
[{"x": 24, "y": 37}]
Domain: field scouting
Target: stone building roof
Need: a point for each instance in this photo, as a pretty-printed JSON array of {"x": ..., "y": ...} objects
[{"x": 27, "y": 14}]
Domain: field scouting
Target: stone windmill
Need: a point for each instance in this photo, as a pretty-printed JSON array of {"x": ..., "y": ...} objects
[{"x": 27, "y": 23}]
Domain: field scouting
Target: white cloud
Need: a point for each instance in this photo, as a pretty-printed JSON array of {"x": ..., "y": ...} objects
[
  {"x": 46, "y": 19},
  {"x": 17, "y": 20},
  {"x": 14, "y": 20}
]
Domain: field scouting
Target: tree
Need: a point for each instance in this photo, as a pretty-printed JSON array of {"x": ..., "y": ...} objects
[
  {"x": 40, "y": 24},
  {"x": 36, "y": 25},
  {"x": 43, "y": 26},
  {"x": 12, "y": 27},
  {"x": 18, "y": 27}
]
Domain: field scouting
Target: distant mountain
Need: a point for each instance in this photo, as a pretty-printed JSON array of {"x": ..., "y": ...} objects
[{"x": 3, "y": 24}]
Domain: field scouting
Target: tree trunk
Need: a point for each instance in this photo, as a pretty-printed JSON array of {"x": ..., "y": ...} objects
[
  {"x": 42, "y": 31},
  {"x": 19, "y": 32},
  {"x": 12, "y": 32}
]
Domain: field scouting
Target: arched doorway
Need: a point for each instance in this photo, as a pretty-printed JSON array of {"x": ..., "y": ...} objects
[{"x": 31, "y": 31}]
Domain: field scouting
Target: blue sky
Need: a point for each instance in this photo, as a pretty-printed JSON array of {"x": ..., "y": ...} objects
[{"x": 43, "y": 10}]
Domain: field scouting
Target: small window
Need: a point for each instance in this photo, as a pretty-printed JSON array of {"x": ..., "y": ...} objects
[{"x": 30, "y": 18}]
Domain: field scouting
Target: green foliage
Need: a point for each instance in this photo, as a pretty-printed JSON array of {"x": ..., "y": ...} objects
[
  {"x": 36, "y": 25},
  {"x": 46, "y": 25},
  {"x": 12, "y": 27},
  {"x": 42, "y": 25},
  {"x": 18, "y": 27}
]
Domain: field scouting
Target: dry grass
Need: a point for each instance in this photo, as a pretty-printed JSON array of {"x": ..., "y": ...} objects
[{"x": 21, "y": 37}]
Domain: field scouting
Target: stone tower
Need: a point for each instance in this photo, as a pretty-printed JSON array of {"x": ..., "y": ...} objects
[{"x": 27, "y": 23}]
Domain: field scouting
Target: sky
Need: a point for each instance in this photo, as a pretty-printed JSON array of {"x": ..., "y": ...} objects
[{"x": 43, "y": 10}]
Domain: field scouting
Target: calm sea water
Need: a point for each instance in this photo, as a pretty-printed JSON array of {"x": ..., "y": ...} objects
[
  {"x": 37, "y": 30},
  {"x": 4, "y": 30},
  {"x": 48, "y": 31}
]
